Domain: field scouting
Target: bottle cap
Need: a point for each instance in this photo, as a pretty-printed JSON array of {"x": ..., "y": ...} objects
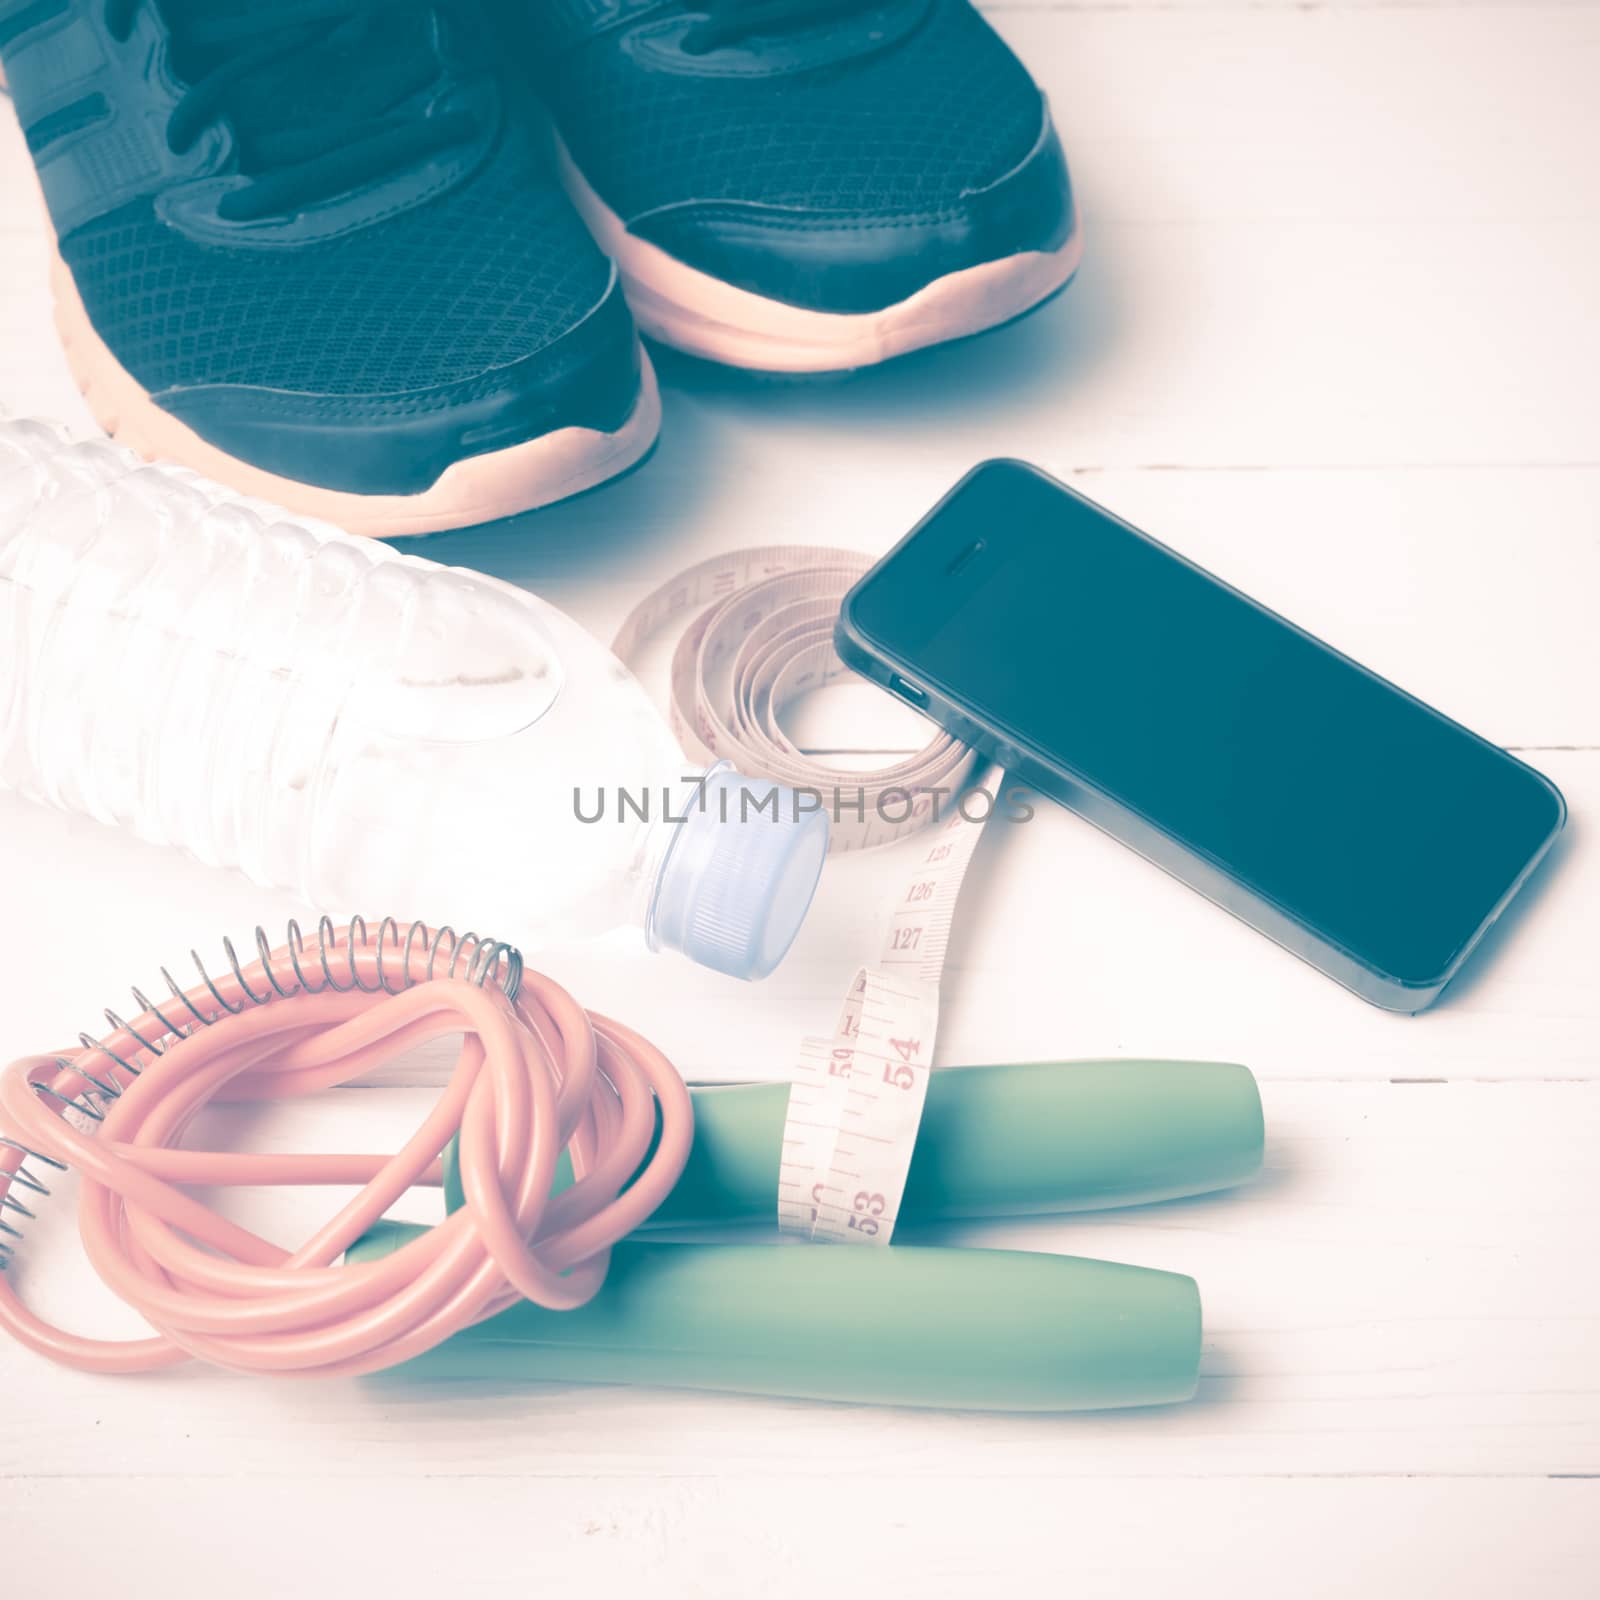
[{"x": 738, "y": 875}]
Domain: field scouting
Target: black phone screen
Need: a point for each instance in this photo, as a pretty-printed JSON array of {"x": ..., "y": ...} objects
[{"x": 1345, "y": 802}]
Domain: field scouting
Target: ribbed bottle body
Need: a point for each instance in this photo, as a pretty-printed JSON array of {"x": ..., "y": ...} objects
[{"x": 370, "y": 731}]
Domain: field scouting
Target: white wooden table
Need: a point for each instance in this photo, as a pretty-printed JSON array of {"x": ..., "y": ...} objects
[{"x": 1336, "y": 337}]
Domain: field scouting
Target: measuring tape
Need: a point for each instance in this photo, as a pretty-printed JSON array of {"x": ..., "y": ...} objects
[
  {"x": 857, "y": 1098},
  {"x": 760, "y": 634}
]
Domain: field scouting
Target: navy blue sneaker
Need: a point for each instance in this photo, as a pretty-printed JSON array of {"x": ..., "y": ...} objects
[
  {"x": 805, "y": 185},
  {"x": 312, "y": 249}
]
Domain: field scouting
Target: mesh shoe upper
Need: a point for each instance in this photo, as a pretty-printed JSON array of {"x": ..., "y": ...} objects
[
  {"x": 320, "y": 232},
  {"x": 448, "y": 255},
  {"x": 906, "y": 128},
  {"x": 477, "y": 279}
]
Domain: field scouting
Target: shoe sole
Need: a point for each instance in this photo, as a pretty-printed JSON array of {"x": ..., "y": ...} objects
[
  {"x": 695, "y": 312},
  {"x": 499, "y": 483}
]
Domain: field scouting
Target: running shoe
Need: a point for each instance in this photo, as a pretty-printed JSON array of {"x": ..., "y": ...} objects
[
  {"x": 313, "y": 249},
  {"x": 805, "y": 185}
]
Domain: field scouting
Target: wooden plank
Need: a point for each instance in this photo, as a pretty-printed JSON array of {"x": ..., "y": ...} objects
[
  {"x": 787, "y": 1538},
  {"x": 1407, "y": 1289}
]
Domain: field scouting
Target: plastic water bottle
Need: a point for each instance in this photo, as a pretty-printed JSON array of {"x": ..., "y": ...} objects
[{"x": 371, "y": 731}]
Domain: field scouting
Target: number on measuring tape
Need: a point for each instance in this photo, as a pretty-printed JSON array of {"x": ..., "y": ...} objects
[{"x": 857, "y": 1100}]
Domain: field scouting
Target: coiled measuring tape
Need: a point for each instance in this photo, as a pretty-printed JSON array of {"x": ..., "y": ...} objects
[{"x": 759, "y": 634}]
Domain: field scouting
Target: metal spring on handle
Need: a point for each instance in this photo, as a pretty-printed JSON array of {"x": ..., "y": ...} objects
[
  {"x": 20, "y": 1175},
  {"x": 416, "y": 954}
]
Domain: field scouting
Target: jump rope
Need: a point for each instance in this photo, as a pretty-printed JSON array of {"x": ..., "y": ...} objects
[
  {"x": 536, "y": 1075},
  {"x": 561, "y": 1132}
]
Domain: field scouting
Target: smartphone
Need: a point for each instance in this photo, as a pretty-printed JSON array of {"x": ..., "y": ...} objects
[{"x": 1329, "y": 809}]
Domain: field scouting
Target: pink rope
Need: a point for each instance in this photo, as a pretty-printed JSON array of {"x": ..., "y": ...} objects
[{"x": 533, "y": 1078}]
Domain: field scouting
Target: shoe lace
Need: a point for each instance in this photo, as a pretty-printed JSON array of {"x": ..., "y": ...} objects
[
  {"x": 307, "y": 125},
  {"x": 728, "y": 20}
]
